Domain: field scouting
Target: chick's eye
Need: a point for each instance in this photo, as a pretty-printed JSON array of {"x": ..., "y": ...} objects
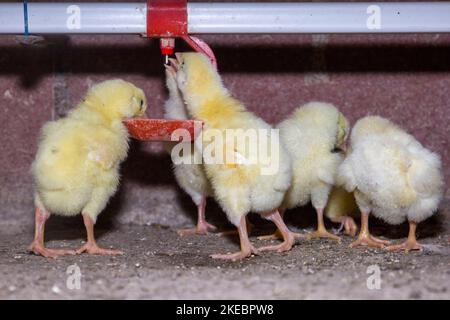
[{"x": 142, "y": 103}]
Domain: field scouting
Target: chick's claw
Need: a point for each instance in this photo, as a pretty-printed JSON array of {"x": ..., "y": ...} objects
[
  {"x": 385, "y": 242},
  {"x": 49, "y": 253},
  {"x": 274, "y": 236},
  {"x": 321, "y": 231},
  {"x": 369, "y": 241},
  {"x": 286, "y": 234},
  {"x": 245, "y": 253},
  {"x": 201, "y": 229},
  {"x": 277, "y": 236},
  {"x": 323, "y": 234},
  {"x": 405, "y": 246},
  {"x": 282, "y": 247},
  {"x": 92, "y": 248}
]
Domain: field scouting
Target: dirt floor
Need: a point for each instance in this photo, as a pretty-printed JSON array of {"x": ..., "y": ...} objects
[{"x": 160, "y": 265}]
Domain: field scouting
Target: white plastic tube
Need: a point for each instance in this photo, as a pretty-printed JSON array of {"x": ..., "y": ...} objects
[
  {"x": 369, "y": 17},
  {"x": 221, "y": 18},
  {"x": 73, "y": 18}
]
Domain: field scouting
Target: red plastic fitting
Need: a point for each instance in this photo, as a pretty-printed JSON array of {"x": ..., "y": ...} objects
[
  {"x": 167, "y": 46},
  {"x": 168, "y": 19}
]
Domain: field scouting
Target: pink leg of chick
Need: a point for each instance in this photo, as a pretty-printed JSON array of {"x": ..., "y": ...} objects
[
  {"x": 203, "y": 227},
  {"x": 277, "y": 234},
  {"x": 91, "y": 246},
  {"x": 247, "y": 248},
  {"x": 37, "y": 246},
  {"x": 411, "y": 243},
  {"x": 365, "y": 238},
  {"x": 321, "y": 231},
  {"x": 288, "y": 236},
  {"x": 226, "y": 233}
]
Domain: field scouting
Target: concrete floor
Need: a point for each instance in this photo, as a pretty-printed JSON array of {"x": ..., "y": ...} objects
[{"x": 160, "y": 265}]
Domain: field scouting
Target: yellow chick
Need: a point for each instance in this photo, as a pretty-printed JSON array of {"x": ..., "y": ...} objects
[
  {"x": 341, "y": 208},
  {"x": 76, "y": 168},
  {"x": 191, "y": 177},
  {"x": 392, "y": 176},
  {"x": 240, "y": 184},
  {"x": 313, "y": 135}
]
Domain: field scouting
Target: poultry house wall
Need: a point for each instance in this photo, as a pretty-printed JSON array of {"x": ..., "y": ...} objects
[{"x": 402, "y": 77}]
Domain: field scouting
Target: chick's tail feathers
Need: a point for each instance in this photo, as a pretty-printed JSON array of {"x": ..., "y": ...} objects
[
  {"x": 425, "y": 179},
  {"x": 424, "y": 174}
]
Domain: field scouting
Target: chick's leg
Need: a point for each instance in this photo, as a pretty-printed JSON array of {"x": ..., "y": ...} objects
[
  {"x": 288, "y": 236},
  {"x": 203, "y": 227},
  {"x": 277, "y": 234},
  {"x": 321, "y": 231},
  {"x": 91, "y": 246},
  {"x": 37, "y": 246},
  {"x": 226, "y": 233},
  {"x": 364, "y": 237},
  {"x": 247, "y": 248},
  {"x": 410, "y": 244}
]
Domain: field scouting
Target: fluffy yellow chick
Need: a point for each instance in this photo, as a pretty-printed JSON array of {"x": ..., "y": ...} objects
[
  {"x": 341, "y": 208},
  {"x": 76, "y": 168},
  {"x": 240, "y": 185},
  {"x": 191, "y": 177},
  {"x": 313, "y": 135},
  {"x": 392, "y": 176}
]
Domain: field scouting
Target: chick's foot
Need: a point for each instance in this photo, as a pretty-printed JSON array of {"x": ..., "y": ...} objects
[
  {"x": 201, "y": 229},
  {"x": 274, "y": 236},
  {"x": 277, "y": 235},
  {"x": 370, "y": 241},
  {"x": 410, "y": 244},
  {"x": 38, "y": 249},
  {"x": 286, "y": 245},
  {"x": 93, "y": 248},
  {"x": 37, "y": 246},
  {"x": 405, "y": 246},
  {"x": 365, "y": 238},
  {"x": 244, "y": 253},
  {"x": 247, "y": 248},
  {"x": 322, "y": 233},
  {"x": 287, "y": 235}
]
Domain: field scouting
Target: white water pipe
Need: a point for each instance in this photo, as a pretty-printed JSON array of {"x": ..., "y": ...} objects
[
  {"x": 222, "y": 18},
  {"x": 74, "y": 18}
]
